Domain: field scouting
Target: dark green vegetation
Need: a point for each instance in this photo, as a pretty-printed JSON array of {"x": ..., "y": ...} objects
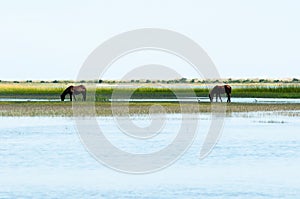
[
  {"x": 148, "y": 93},
  {"x": 161, "y": 93},
  {"x": 268, "y": 91}
]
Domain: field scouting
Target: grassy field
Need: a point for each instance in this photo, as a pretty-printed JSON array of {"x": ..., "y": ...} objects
[
  {"x": 104, "y": 108},
  {"x": 104, "y": 92},
  {"x": 53, "y": 91}
]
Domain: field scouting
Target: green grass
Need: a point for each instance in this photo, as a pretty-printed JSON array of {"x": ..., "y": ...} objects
[
  {"x": 268, "y": 91},
  {"x": 149, "y": 93},
  {"x": 249, "y": 91},
  {"x": 31, "y": 90},
  {"x": 53, "y": 91}
]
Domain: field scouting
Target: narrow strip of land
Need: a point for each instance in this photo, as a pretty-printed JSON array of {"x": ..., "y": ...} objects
[{"x": 105, "y": 108}]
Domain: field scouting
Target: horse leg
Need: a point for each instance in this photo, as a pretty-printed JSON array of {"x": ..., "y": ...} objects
[
  {"x": 217, "y": 96},
  {"x": 220, "y": 97},
  {"x": 83, "y": 96},
  {"x": 71, "y": 97},
  {"x": 74, "y": 97},
  {"x": 228, "y": 98}
]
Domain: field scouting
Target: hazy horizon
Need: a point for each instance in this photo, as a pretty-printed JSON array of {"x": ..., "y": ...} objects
[{"x": 128, "y": 80}]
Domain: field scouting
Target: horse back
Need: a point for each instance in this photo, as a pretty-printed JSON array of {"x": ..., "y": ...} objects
[{"x": 79, "y": 89}]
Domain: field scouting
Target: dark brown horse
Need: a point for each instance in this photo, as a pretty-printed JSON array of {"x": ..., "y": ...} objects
[
  {"x": 74, "y": 90},
  {"x": 218, "y": 90}
]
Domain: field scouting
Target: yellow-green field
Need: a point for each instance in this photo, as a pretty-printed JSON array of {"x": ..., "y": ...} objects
[{"x": 104, "y": 91}]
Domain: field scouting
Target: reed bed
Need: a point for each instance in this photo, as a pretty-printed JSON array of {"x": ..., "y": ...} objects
[{"x": 53, "y": 91}]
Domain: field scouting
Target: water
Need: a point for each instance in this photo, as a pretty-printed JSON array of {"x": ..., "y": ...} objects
[
  {"x": 27, "y": 100},
  {"x": 258, "y": 156},
  {"x": 187, "y": 99},
  {"x": 206, "y": 99}
]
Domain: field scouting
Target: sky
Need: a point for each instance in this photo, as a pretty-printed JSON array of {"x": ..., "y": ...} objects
[{"x": 47, "y": 40}]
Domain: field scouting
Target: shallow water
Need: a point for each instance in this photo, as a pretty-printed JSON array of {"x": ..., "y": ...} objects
[
  {"x": 27, "y": 100},
  {"x": 205, "y": 99},
  {"x": 198, "y": 99},
  {"x": 258, "y": 156}
]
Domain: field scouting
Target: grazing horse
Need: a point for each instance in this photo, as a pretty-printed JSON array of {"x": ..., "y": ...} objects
[
  {"x": 74, "y": 90},
  {"x": 218, "y": 90}
]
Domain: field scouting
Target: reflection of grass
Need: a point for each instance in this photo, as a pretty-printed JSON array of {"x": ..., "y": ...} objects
[
  {"x": 271, "y": 122},
  {"x": 104, "y": 108},
  {"x": 53, "y": 91}
]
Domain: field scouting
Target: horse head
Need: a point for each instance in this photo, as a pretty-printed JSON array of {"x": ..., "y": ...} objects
[
  {"x": 62, "y": 97},
  {"x": 210, "y": 97}
]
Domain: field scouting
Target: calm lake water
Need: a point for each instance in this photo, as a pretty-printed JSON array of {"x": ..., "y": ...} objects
[{"x": 258, "y": 156}]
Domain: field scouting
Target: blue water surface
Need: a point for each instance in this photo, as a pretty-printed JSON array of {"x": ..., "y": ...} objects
[{"x": 257, "y": 156}]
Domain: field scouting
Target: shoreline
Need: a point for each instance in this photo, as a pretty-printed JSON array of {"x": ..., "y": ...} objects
[{"x": 64, "y": 109}]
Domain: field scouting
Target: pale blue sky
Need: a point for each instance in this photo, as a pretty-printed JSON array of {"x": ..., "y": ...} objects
[{"x": 51, "y": 39}]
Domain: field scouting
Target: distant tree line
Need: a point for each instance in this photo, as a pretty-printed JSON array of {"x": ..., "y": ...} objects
[{"x": 174, "y": 81}]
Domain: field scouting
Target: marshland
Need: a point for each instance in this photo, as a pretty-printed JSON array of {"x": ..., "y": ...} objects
[
  {"x": 47, "y": 90},
  {"x": 43, "y": 98}
]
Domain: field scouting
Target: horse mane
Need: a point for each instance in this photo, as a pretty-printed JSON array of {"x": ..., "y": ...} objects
[{"x": 67, "y": 91}]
